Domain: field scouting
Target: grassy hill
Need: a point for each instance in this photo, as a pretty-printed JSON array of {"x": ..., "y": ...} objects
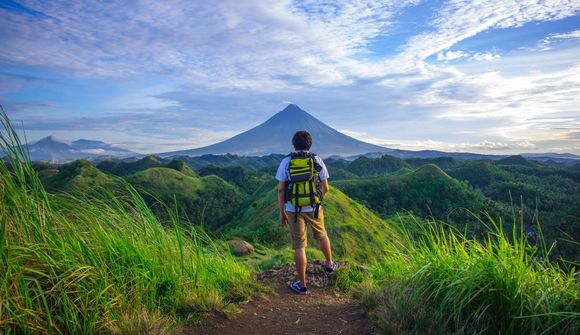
[
  {"x": 81, "y": 177},
  {"x": 254, "y": 163},
  {"x": 355, "y": 231},
  {"x": 127, "y": 167},
  {"x": 247, "y": 180},
  {"x": 122, "y": 168},
  {"x": 427, "y": 191},
  {"x": 366, "y": 167},
  {"x": 539, "y": 193},
  {"x": 205, "y": 200}
]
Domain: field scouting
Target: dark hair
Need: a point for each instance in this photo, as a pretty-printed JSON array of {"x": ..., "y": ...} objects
[{"x": 302, "y": 140}]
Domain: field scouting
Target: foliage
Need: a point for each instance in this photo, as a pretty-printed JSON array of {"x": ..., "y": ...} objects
[
  {"x": 72, "y": 265},
  {"x": 355, "y": 231},
  {"x": 207, "y": 200},
  {"x": 443, "y": 282},
  {"x": 254, "y": 163},
  {"x": 81, "y": 177},
  {"x": 536, "y": 191},
  {"x": 426, "y": 192},
  {"x": 365, "y": 167},
  {"x": 248, "y": 181},
  {"x": 130, "y": 166}
]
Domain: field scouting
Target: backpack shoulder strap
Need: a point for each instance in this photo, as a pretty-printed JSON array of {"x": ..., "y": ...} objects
[{"x": 317, "y": 166}]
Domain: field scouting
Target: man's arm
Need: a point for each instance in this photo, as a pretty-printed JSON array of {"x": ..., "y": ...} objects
[
  {"x": 324, "y": 183},
  {"x": 281, "y": 203}
]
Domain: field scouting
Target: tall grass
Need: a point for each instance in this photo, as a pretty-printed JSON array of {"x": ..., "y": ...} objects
[
  {"x": 73, "y": 265},
  {"x": 443, "y": 282}
]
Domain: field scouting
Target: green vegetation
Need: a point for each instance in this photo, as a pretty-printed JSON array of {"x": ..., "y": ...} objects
[
  {"x": 107, "y": 254},
  {"x": 356, "y": 232},
  {"x": 442, "y": 282},
  {"x": 248, "y": 181},
  {"x": 254, "y": 163},
  {"x": 427, "y": 191},
  {"x": 72, "y": 265},
  {"x": 366, "y": 167},
  {"x": 123, "y": 168},
  {"x": 538, "y": 192},
  {"x": 207, "y": 200},
  {"x": 81, "y": 177}
]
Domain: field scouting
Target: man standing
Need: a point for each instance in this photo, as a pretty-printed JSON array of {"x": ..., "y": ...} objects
[{"x": 302, "y": 183}]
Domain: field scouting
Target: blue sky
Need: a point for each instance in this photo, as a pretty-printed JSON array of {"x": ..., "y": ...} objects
[{"x": 480, "y": 76}]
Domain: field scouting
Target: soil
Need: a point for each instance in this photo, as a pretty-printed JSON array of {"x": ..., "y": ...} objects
[{"x": 324, "y": 310}]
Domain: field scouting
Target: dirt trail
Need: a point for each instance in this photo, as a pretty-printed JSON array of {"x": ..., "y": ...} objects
[{"x": 324, "y": 310}]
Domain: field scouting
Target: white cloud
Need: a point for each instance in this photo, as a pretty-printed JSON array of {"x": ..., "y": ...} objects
[
  {"x": 546, "y": 43},
  {"x": 461, "y": 19},
  {"x": 94, "y": 151},
  {"x": 483, "y": 146},
  {"x": 271, "y": 51},
  {"x": 451, "y": 55},
  {"x": 566, "y": 36},
  {"x": 250, "y": 44},
  {"x": 484, "y": 56}
]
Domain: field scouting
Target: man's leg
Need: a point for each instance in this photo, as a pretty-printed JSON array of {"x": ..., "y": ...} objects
[
  {"x": 319, "y": 233},
  {"x": 298, "y": 235},
  {"x": 300, "y": 259},
  {"x": 325, "y": 247}
]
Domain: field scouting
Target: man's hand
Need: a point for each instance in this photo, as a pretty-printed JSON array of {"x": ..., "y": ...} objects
[
  {"x": 281, "y": 192},
  {"x": 284, "y": 219}
]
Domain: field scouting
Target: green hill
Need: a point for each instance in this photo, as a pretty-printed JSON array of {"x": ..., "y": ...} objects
[
  {"x": 81, "y": 177},
  {"x": 181, "y": 166},
  {"x": 442, "y": 162},
  {"x": 515, "y": 160},
  {"x": 127, "y": 167},
  {"x": 341, "y": 174},
  {"x": 353, "y": 229},
  {"x": 365, "y": 167},
  {"x": 247, "y": 180},
  {"x": 427, "y": 191},
  {"x": 537, "y": 192},
  {"x": 122, "y": 168},
  {"x": 251, "y": 162},
  {"x": 206, "y": 200}
]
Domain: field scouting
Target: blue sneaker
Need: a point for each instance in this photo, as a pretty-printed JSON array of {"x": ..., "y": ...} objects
[
  {"x": 297, "y": 288},
  {"x": 335, "y": 265}
]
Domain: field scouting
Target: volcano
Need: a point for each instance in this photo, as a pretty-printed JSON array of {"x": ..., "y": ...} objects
[{"x": 275, "y": 134}]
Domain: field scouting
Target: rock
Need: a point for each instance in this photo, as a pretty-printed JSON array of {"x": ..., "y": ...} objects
[
  {"x": 315, "y": 274},
  {"x": 242, "y": 248}
]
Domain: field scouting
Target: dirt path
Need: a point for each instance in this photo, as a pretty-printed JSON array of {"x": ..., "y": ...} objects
[{"x": 323, "y": 311}]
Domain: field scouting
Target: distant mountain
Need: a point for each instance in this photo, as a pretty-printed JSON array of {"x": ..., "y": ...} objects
[
  {"x": 55, "y": 150},
  {"x": 275, "y": 135},
  {"x": 515, "y": 160},
  {"x": 433, "y": 154},
  {"x": 428, "y": 154}
]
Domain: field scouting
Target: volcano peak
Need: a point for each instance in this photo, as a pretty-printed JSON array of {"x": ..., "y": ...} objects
[{"x": 275, "y": 135}]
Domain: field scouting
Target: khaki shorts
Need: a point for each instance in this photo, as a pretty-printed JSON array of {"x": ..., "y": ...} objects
[{"x": 298, "y": 228}]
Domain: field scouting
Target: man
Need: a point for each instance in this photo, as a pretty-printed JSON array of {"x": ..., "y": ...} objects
[{"x": 297, "y": 218}]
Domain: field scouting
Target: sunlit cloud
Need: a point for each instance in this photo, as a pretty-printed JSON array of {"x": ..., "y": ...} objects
[{"x": 202, "y": 71}]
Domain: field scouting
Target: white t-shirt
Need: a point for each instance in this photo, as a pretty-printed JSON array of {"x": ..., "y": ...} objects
[{"x": 283, "y": 175}]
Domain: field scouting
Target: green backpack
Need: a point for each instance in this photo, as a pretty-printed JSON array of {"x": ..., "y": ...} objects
[{"x": 304, "y": 187}]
